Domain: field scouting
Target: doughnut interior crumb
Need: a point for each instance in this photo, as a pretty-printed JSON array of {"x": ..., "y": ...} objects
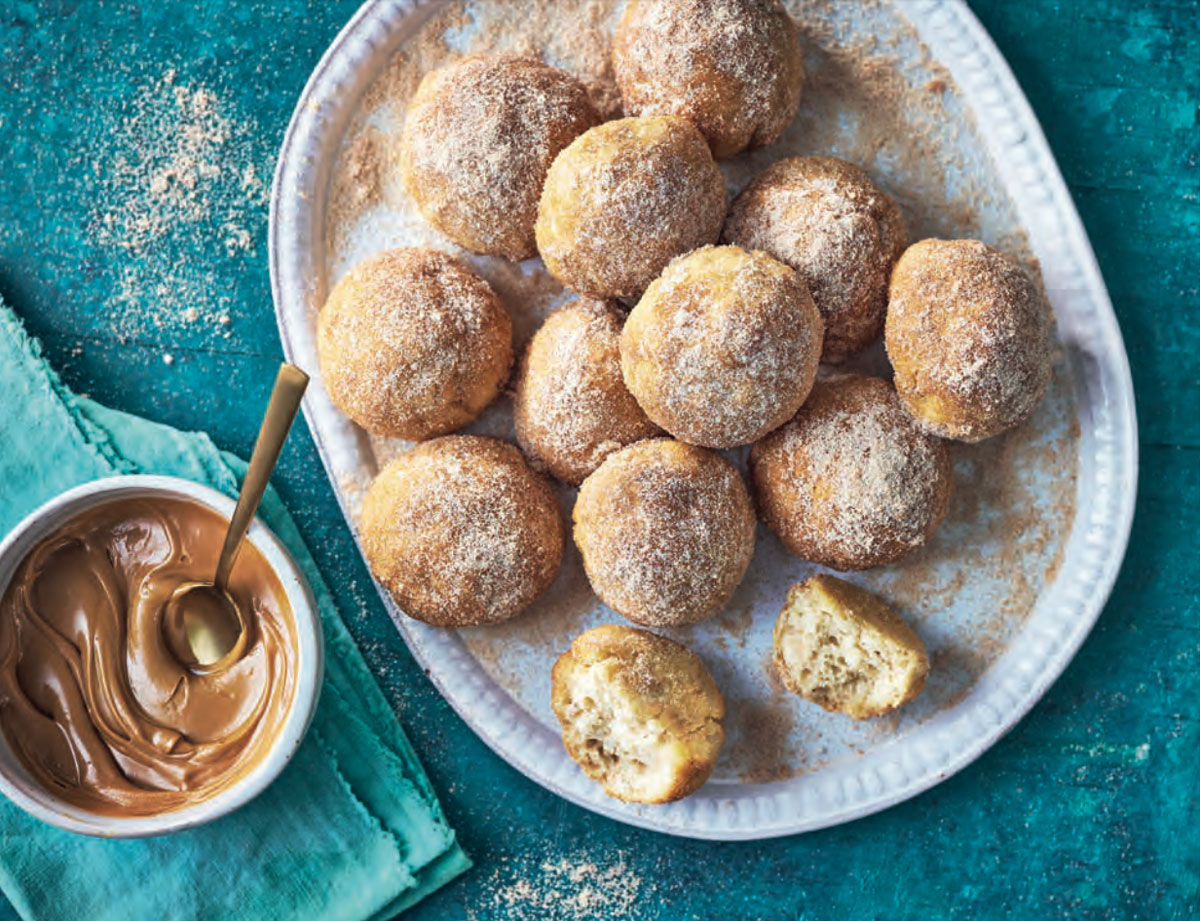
[
  {"x": 844, "y": 649},
  {"x": 619, "y": 741},
  {"x": 639, "y": 714}
]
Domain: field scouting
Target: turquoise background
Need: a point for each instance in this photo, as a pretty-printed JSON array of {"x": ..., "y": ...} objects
[{"x": 1088, "y": 809}]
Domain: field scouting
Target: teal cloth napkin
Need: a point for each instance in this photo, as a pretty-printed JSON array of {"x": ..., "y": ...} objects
[{"x": 350, "y": 831}]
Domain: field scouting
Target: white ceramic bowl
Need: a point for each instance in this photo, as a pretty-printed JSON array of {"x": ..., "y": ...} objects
[{"x": 15, "y": 781}]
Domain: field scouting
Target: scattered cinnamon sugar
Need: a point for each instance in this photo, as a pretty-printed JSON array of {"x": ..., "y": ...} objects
[
  {"x": 566, "y": 889},
  {"x": 184, "y": 163},
  {"x": 356, "y": 184},
  {"x": 766, "y": 727}
]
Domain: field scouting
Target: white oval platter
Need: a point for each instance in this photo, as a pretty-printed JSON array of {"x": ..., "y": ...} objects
[{"x": 1015, "y": 578}]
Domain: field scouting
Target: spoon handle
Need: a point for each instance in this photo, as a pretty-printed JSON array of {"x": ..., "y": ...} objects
[{"x": 281, "y": 412}]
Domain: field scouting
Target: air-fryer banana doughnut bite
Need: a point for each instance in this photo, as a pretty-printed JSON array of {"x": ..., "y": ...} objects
[
  {"x": 826, "y": 219},
  {"x": 411, "y": 344},
  {"x": 723, "y": 347},
  {"x": 479, "y": 136},
  {"x": 852, "y": 481},
  {"x": 462, "y": 532},
  {"x": 732, "y": 67},
  {"x": 570, "y": 405},
  {"x": 640, "y": 713},
  {"x": 969, "y": 336},
  {"x": 845, "y": 650},
  {"x": 623, "y": 200},
  {"x": 666, "y": 531}
]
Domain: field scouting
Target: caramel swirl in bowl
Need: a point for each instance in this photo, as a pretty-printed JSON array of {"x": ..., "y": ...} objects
[{"x": 93, "y": 703}]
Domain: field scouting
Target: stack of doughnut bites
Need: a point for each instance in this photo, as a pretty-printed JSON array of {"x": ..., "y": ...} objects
[{"x": 698, "y": 326}]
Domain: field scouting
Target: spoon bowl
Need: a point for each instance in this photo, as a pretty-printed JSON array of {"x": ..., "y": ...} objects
[{"x": 203, "y": 627}]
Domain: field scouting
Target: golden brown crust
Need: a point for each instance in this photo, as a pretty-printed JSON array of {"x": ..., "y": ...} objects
[
  {"x": 723, "y": 347},
  {"x": 666, "y": 531},
  {"x": 623, "y": 200},
  {"x": 411, "y": 344},
  {"x": 851, "y": 481},
  {"x": 479, "y": 137},
  {"x": 832, "y": 629},
  {"x": 570, "y": 406},
  {"x": 732, "y": 67},
  {"x": 969, "y": 336},
  {"x": 663, "y": 691},
  {"x": 462, "y": 532},
  {"x": 826, "y": 219}
]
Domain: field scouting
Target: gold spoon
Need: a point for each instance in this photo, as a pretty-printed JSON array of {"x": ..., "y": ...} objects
[{"x": 203, "y": 627}]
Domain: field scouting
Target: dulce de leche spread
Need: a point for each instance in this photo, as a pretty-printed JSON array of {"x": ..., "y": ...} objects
[{"x": 92, "y": 701}]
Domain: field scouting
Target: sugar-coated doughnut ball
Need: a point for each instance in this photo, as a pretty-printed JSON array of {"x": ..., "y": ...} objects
[
  {"x": 462, "y": 531},
  {"x": 666, "y": 531},
  {"x": 570, "y": 404},
  {"x": 640, "y": 713},
  {"x": 826, "y": 219},
  {"x": 733, "y": 67},
  {"x": 623, "y": 200},
  {"x": 970, "y": 337},
  {"x": 723, "y": 347},
  {"x": 411, "y": 344},
  {"x": 852, "y": 481},
  {"x": 479, "y": 136}
]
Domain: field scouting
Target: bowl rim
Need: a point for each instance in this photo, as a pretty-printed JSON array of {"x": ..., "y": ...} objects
[{"x": 43, "y": 804}]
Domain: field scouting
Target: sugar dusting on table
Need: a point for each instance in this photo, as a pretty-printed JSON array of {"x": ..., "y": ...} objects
[
  {"x": 184, "y": 161},
  {"x": 577, "y": 887},
  {"x": 883, "y": 103}
]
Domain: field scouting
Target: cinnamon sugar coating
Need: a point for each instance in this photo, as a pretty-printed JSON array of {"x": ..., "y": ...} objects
[
  {"x": 970, "y": 337},
  {"x": 411, "y": 344},
  {"x": 732, "y": 67},
  {"x": 623, "y": 200},
  {"x": 852, "y": 481},
  {"x": 570, "y": 405},
  {"x": 666, "y": 531},
  {"x": 462, "y": 532},
  {"x": 723, "y": 346},
  {"x": 826, "y": 219},
  {"x": 479, "y": 136}
]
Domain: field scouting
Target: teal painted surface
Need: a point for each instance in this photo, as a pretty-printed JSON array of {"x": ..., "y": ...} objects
[
  {"x": 1088, "y": 809},
  {"x": 377, "y": 837}
]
